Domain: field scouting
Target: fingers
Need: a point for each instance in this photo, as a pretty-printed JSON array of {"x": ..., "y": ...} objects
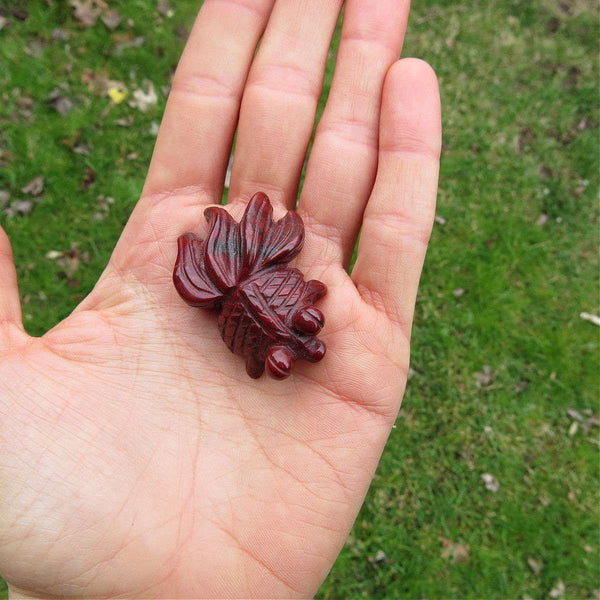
[
  {"x": 197, "y": 130},
  {"x": 280, "y": 100},
  {"x": 343, "y": 161},
  {"x": 10, "y": 303},
  {"x": 399, "y": 215}
]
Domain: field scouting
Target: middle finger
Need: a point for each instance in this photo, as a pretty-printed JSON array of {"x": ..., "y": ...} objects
[{"x": 280, "y": 100}]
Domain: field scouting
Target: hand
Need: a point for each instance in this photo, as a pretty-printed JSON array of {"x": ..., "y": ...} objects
[{"x": 137, "y": 458}]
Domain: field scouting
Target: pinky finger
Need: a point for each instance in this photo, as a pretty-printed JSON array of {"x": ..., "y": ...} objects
[{"x": 399, "y": 216}]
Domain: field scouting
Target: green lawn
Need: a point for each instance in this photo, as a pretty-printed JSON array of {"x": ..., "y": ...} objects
[{"x": 500, "y": 352}]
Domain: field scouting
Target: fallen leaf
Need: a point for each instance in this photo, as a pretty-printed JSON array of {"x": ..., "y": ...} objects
[
  {"x": 458, "y": 292},
  {"x": 35, "y": 187},
  {"x": 573, "y": 429},
  {"x": 126, "y": 40},
  {"x": 69, "y": 261},
  {"x": 558, "y": 590},
  {"x": 164, "y": 8},
  {"x": 380, "y": 556},
  {"x": 457, "y": 552},
  {"x": 21, "y": 207},
  {"x": 535, "y": 565},
  {"x": 85, "y": 11},
  {"x": 62, "y": 104},
  {"x": 488, "y": 430},
  {"x": 5, "y": 156},
  {"x": 491, "y": 483},
  {"x": 3, "y": 22},
  {"x": 35, "y": 48},
  {"x": 575, "y": 415},
  {"x": 20, "y": 13},
  {"x": 4, "y": 197},
  {"x": 440, "y": 220},
  {"x": 484, "y": 377},
  {"x": 117, "y": 95},
  {"x": 542, "y": 220},
  {"x": 89, "y": 178},
  {"x": 112, "y": 19},
  {"x": 595, "y": 319},
  {"x": 124, "y": 122},
  {"x": 82, "y": 149},
  {"x": 60, "y": 35},
  {"x": 26, "y": 106},
  {"x": 521, "y": 386},
  {"x": 144, "y": 100}
]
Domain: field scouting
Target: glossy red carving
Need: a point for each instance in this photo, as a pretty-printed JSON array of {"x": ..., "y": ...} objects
[{"x": 266, "y": 311}]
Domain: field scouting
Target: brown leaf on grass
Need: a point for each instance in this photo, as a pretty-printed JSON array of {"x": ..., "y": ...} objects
[
  {"x": 100, "y": 83},
  {"x": 19, "y": 207},
  {"x": 521, "y": 385},
  {"x": 484, "y": 377},
  {"x": 558, "y": 590},
  {"x": 35, "y": 187},
  {"x": 62, "y": 104},
  {"x": 491, "y": 483},
  {"x": 126, "y": 40},
  {"x": 125, "y": 122},
  {"x": 83, "y": 149},
  {"x": 85, "y": 11},
  {"x": 69, "y": 261},
  {"x": 4, "y": 197},
  {"x": 535, "y": 565},
  {"x": 20, "y": 13},
  {"x": 595, "y": 319},
  {"x": 89, "y": 178},
  {"x": 164, "y": 8},
  {"x": 35, "y": 48},
  {"x": 112, "y": 19},
  {"x": 458, "y": 553},
  {"x": 60, "y": 35},
  {"x": 144, "y": 100},
  {"x": 524, "y": 140},
  {"x": 26, "y": 107},
  {"x": 5, "y": 156},
  {"x": 3, "y": 22}
]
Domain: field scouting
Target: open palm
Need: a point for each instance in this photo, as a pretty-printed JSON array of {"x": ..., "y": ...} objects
[{"x": 137, "y": 458}]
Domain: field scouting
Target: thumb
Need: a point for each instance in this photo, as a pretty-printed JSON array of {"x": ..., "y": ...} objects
[{"x": 10, "y": 303}]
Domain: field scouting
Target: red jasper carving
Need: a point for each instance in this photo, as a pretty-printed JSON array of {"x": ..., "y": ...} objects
[{"x": 266, "y": 311}]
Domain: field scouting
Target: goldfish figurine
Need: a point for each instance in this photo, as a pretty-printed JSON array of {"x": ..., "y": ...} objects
[{"x": 266, "y": 309}]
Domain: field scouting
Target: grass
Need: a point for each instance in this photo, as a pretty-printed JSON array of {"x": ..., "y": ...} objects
[{"x": 495, "y": 368}]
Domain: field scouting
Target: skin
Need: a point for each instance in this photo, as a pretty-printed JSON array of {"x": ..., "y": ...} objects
[{"x": 137, "y": 459}]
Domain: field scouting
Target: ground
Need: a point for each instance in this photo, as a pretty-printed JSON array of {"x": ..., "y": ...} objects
[{"x": 488, "y": 485}]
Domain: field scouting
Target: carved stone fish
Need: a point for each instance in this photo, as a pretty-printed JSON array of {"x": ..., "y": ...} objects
[{"x": 266, "y": 311}]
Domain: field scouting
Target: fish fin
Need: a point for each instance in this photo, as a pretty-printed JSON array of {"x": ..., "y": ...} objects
[
  {"x": 190, "y": 277},
  {"x": 223, "y": 252},
  {"x": 264, "y": 241}
]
